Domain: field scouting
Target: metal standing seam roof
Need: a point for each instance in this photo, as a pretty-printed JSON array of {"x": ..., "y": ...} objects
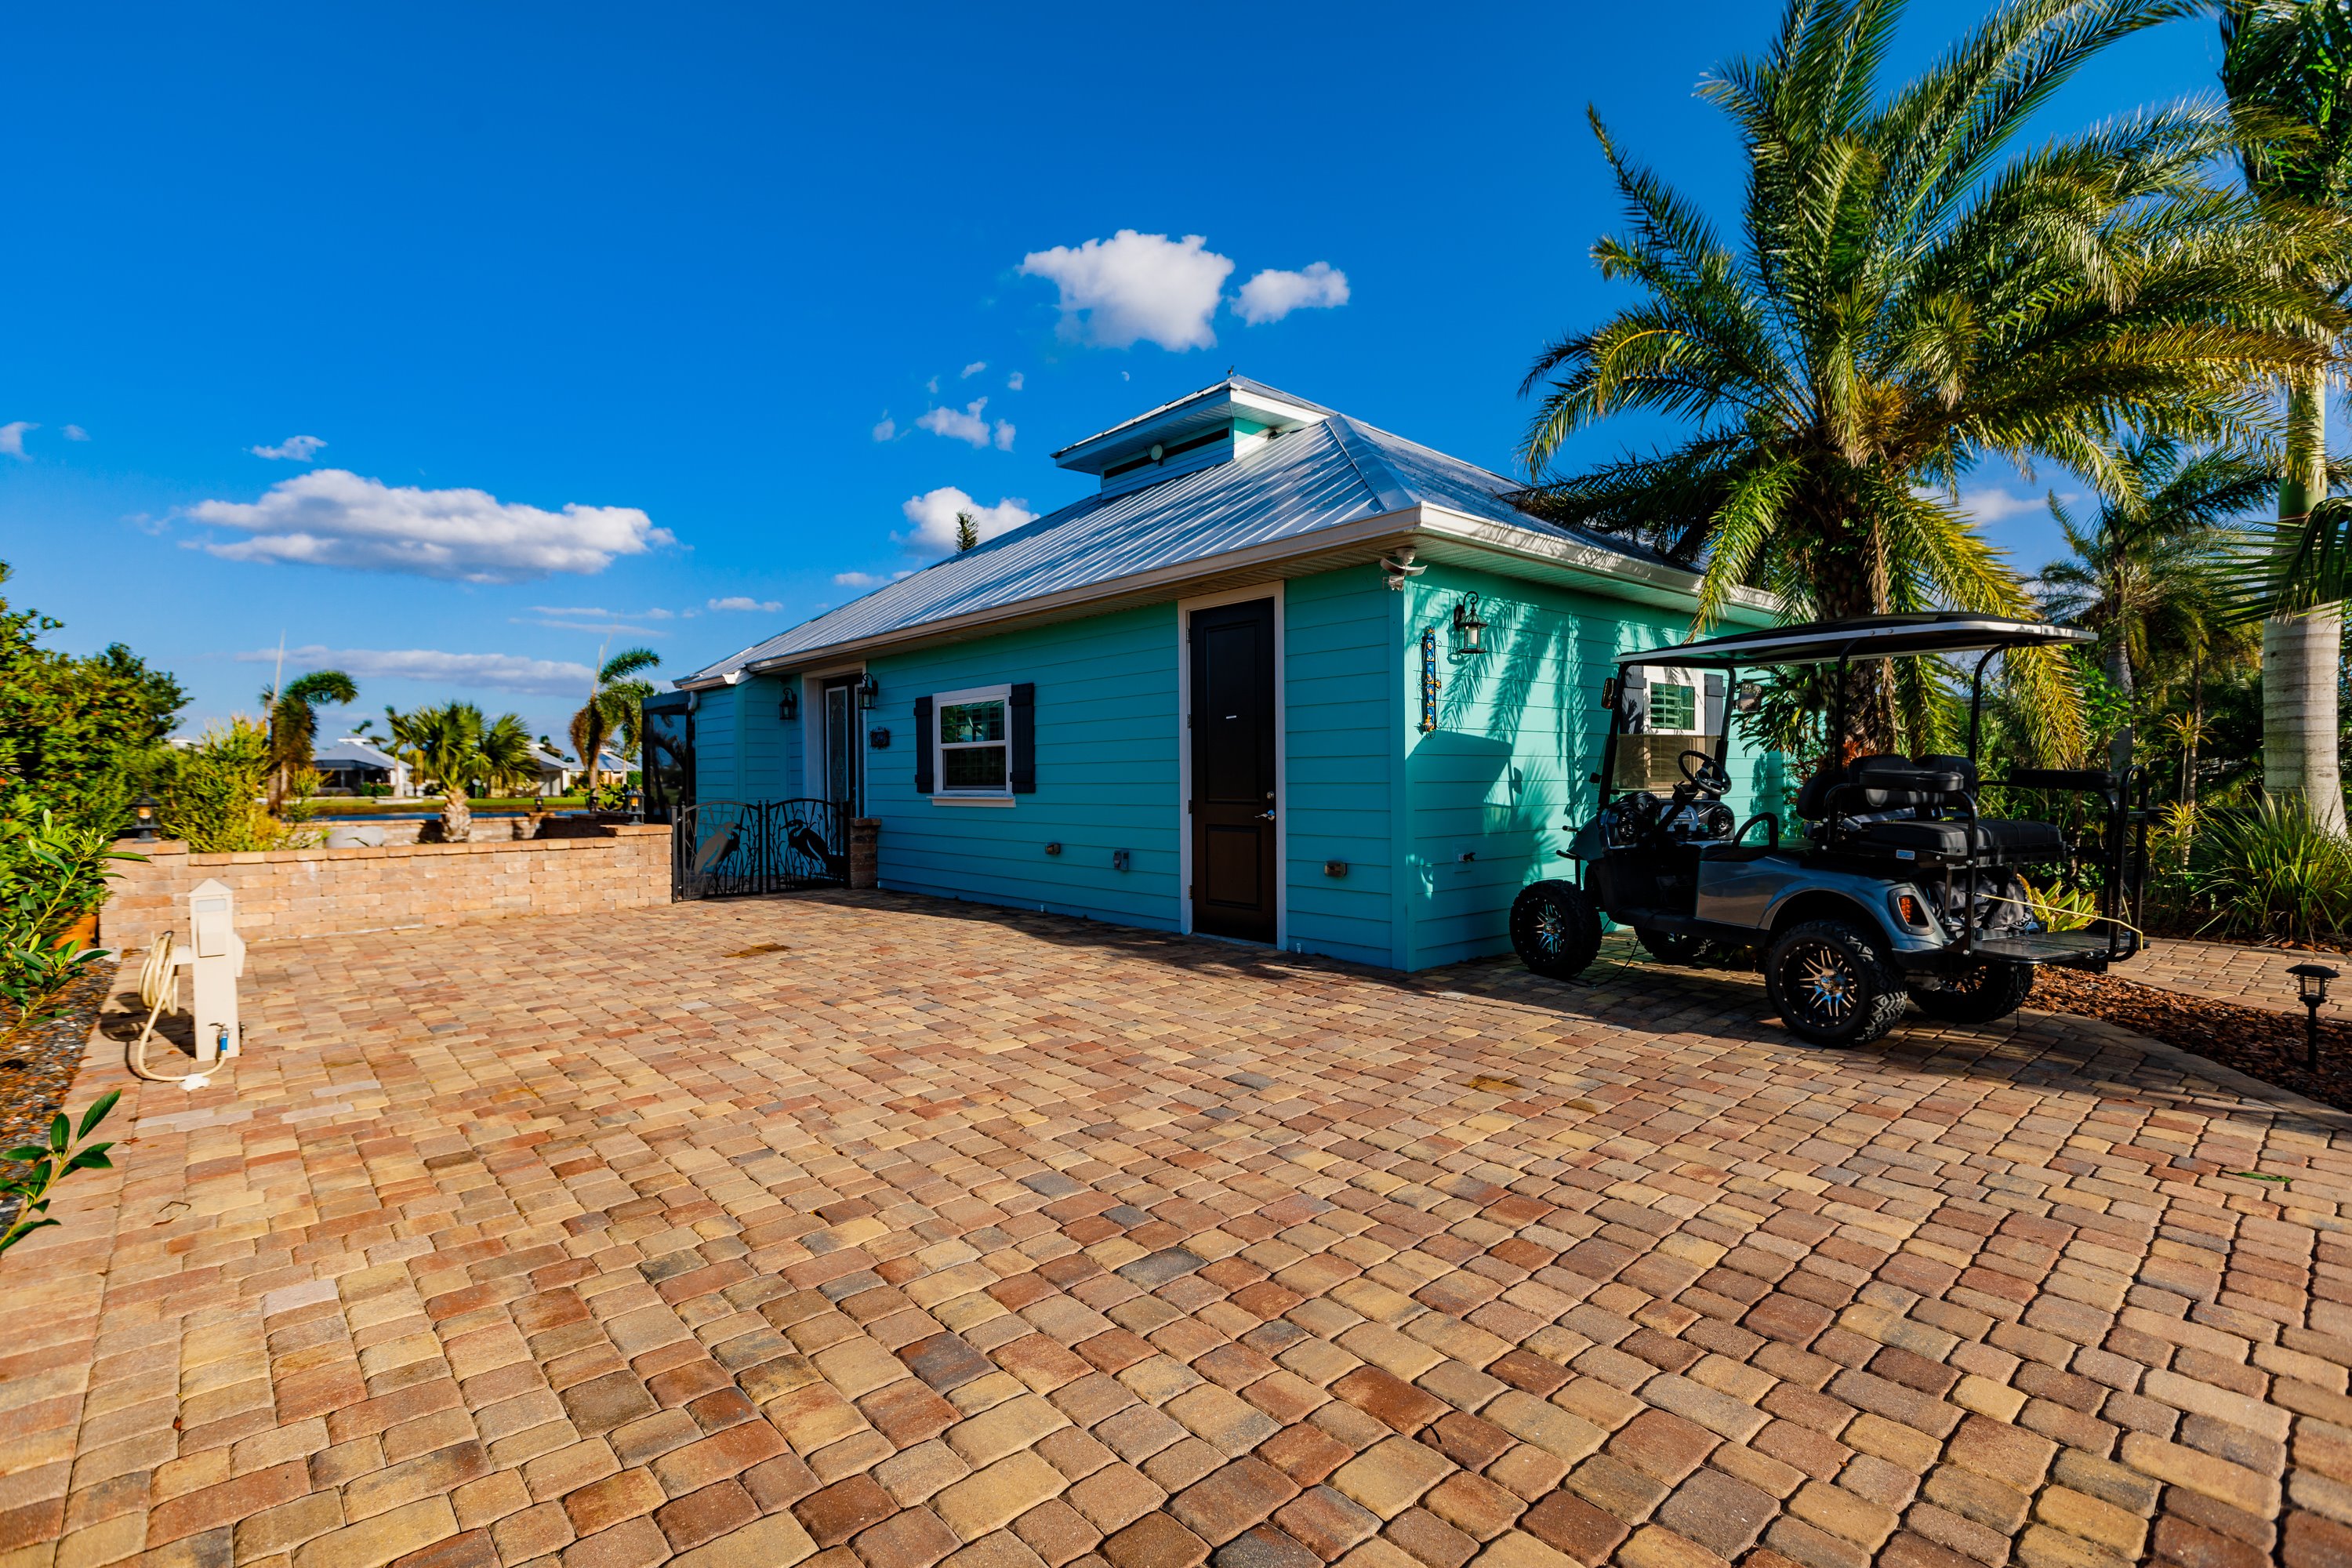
[{"x": 1333, "y": 472}]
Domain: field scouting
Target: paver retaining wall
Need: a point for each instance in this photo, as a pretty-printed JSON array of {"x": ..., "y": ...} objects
[{"x": 317, "y": 892}]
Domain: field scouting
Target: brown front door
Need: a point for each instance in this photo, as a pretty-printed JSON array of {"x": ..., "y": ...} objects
[{"x": 1232, "y": 771}]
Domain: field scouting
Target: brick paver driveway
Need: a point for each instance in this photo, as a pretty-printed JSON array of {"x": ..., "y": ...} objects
[{"x": 863, "y": 1230}]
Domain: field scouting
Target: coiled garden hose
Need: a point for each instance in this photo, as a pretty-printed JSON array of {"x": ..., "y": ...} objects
[{"x": 159, "y": 988}]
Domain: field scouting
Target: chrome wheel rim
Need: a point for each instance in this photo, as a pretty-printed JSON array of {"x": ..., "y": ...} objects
[
  {"x": 1550, "y": 934},
  {"x": 1823, "y": 985}
]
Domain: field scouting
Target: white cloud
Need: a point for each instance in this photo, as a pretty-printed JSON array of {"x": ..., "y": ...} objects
[
  {"x": 932, "y": 386},
  {"x": 597, "y": 612},
  {"x": 293, "y": 449},
  {"x": 76, "y": 433},
  {"x": 886, "y": 429},
  {"x": 1992, "y": 505},
  {"x": 974, "y": 368},
  {"x": 738, "y": 601},
  {"x": 933, "y": 513},
  {"x": 1274, "y": 293},
  {"x": 1135, "y": 288},
  {"x": 11, "y": 436},
  {"x": 604, "y": 627},
  {"x": 864, "y": 579},
  {"x": 332, "y": 517},
  {"x": 497, "y": 671},
  {"x": 1013, "y": 383},
  {"x": 968, "y": 425}
]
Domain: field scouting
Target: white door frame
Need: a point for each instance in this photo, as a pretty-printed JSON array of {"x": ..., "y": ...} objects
[
  {"x": 1184, "y": 608},
  {"x": 812, "y": 701}
]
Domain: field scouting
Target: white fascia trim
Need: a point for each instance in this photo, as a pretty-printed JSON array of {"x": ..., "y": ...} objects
[{"x": 1747, "y": 605}]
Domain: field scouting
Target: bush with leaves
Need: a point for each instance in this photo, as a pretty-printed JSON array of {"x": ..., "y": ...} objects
[
  {"x": 69, "y": 1150},
  {"x": 2275, "y": 872},
  {"x": 69, "y": 725},
  {"x": 210, "y": 794},
  {"x": 52, "y": 871}
]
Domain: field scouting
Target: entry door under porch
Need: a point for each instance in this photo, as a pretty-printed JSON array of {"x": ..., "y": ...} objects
[
  {"x": 840, "y": 774},
  {"x": 1232, "y": 731}
]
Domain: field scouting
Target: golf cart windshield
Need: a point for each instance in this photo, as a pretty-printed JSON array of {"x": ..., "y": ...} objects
[{"x": 1663, "y": 710}]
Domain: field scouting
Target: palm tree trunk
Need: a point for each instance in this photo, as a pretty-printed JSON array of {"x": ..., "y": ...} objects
[
  {"x": 456, "y": 817},
  {"x": 2119, "y": 671},
  {"x": 2301, "y": 652}
]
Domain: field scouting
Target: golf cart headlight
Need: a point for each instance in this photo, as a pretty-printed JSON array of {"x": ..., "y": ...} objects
[{"x": 1909, "y": 908}]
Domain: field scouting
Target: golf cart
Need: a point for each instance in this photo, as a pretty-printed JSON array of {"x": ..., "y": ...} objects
[{"x": 1897, "y": 886}]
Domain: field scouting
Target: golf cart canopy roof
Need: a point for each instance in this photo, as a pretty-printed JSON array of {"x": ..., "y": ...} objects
[{"x": 1868, "y": 637}]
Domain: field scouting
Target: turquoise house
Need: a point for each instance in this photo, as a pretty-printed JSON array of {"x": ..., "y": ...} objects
[{"x": 1282, "y": 678}]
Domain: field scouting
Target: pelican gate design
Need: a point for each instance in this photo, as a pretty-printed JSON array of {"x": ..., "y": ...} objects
[{"x": 726, "y": 848}]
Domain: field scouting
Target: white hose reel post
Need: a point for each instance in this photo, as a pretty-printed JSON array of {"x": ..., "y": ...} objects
[{"x": 216, "y": 954}]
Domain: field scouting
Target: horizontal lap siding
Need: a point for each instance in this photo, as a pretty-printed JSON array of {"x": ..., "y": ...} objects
[
  {"x": 1106, "y": 730},
  {"x": 761, "y": 772},
  {"x": 1520, "y": 730},
  {"x": 718, "y": 746},
  {"x": 1341, "y": 745}
]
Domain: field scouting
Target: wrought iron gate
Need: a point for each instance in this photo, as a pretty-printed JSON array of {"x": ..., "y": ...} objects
[{"x": 723, "y": 849}]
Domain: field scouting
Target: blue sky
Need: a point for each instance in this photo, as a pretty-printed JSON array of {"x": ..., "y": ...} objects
[{"x": 593, "y": 316}]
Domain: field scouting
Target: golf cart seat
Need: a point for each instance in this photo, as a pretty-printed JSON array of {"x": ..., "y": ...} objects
[{"x": 1896, "y": 806}]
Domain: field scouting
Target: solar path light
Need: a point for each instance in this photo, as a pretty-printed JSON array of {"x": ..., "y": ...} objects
[{"x": 2311, "y": 985}]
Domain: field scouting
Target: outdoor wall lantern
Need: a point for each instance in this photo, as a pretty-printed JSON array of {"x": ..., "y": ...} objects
[
  {"x": 142, "y": 817},
  {"x": 1469, "y": 631},
  {"x": 2311, "y": 985},
  {"x": 789, "y": 709},
  {"x": 869, "y": 693},
  {"x": 636, "y": 806}
]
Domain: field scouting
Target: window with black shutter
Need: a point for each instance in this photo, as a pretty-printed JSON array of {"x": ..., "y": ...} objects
[{"x": 925, "y": 735}]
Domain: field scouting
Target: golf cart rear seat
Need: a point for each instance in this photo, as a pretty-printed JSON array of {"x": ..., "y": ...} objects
[{"x": 1895, "y": 805}]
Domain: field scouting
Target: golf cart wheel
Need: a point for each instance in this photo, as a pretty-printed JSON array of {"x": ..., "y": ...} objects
[
  {"x": 1978, "y": 996},
  {"x": 1830, "y": 986},
  {"x": 1555, "y": 930},
  {"x": 1673, "y": 947}
]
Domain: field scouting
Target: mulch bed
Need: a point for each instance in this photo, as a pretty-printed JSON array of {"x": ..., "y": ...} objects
[
  {"x": 2256, "y": 1041},
  {"x": 37, "y": 1063}
]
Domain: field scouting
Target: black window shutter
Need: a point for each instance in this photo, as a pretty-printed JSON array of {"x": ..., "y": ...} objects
[
  {"x": 923, "y": 738},
  {"x": 1024, "y": 739}
]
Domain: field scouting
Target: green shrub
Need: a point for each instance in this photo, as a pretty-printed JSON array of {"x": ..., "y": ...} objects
[
  {"x": 2273, "y": 872},
  {"x": 210, "y": 794},
  {"x": 52, "y": 872}
]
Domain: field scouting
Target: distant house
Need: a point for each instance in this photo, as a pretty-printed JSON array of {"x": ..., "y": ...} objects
[
  {"x": 346, "y": 764},
  {"x": 1282, "y": 678},
  {"x": 558, "y": 775}
]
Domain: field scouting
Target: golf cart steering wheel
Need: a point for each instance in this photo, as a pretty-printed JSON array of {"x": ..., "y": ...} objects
[{"x": 1708, "y": 777}]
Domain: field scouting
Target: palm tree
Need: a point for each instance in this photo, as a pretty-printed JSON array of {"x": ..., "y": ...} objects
[
  {"x": 2287, "y": 71},
  {"x": 1908, "y": 294},
  {"x": 460, "y": 752},
  {"x": 293, "y": 711},
  {"x": 614, "y": 708},
  {"x": 2152, "y": 573}
]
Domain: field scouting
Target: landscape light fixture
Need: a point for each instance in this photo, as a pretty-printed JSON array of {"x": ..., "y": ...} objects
[
  {"x": 789, "y": 709},
  {"x": 868, "y": 692},
  {"x": 2311, "y": 985},
  {"x": 1469, "y": 631},
  {"x": 142, "y": 818},
  {"x": 636, "y": 806}
]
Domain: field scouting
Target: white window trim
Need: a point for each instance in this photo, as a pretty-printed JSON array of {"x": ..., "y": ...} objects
[{"x": 940, "y": 794}]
